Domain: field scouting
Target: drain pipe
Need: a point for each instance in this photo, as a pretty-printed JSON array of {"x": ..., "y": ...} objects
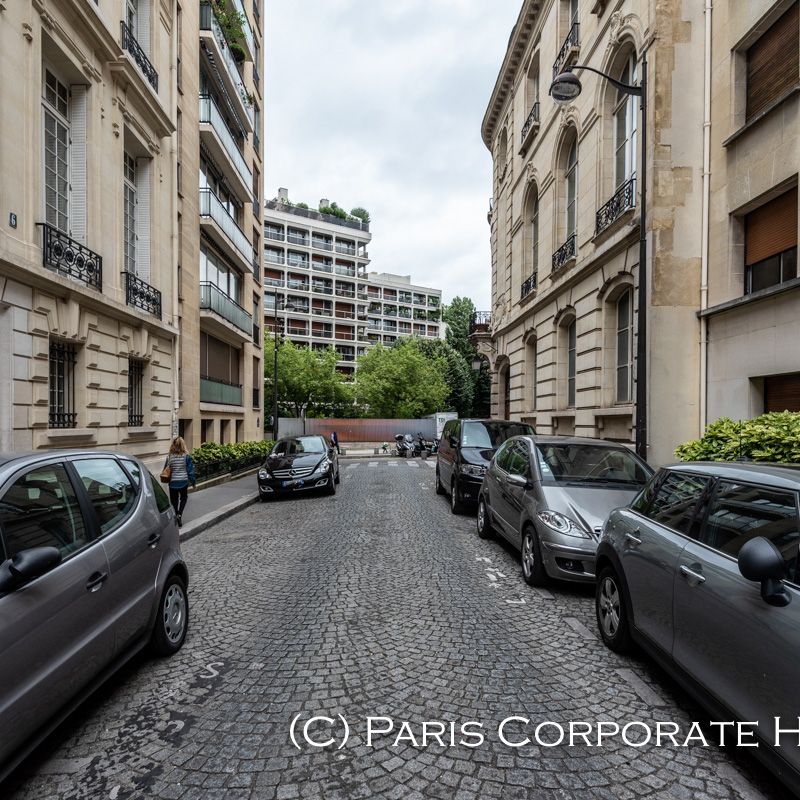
[{"x": 703, "y": 417}]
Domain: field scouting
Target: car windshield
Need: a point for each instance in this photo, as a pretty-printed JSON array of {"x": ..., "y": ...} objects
[
  {"x": 490, "y": 435},
  {"x": 302, "y": 444},
  {"x": 588, "y": 463}
]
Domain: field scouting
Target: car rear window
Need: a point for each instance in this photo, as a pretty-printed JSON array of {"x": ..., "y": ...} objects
[{"x": 490, "y": 435}]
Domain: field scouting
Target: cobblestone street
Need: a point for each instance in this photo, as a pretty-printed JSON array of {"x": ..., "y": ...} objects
[{"x": 376, "y": 602}]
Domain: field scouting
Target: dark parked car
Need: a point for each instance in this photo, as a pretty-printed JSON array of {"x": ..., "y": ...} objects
[
  {"x": 91, "y": 572},
  {"x": 702, "y": 571},
  {"x": 550, "y": 495},
  {"x": 297, "y": 464},
  {"x": 466, "y": 448}
]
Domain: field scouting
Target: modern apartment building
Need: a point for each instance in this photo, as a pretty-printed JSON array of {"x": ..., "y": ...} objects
[
  {"x": 565, "y": 215},
  {"x": 219, "y": 185},
  {"x": 316, "y": 269},
  {"x": 87, "y": 228}
]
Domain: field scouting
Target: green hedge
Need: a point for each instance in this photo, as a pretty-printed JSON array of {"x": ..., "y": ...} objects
[
  {"x": 212, "y": 459},
  {"x": 771, "y": 437}
]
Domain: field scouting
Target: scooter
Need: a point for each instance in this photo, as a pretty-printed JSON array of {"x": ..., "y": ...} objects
[
  {"x": 403, "y": 445},
  {"x": 422, "y": 444}
]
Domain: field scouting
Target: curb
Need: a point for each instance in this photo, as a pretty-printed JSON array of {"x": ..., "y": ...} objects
[{"x": 190, "y": 530}]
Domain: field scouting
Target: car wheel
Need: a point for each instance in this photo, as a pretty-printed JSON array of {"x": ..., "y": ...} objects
[
  {"x": 338, "y": 476},
  {"x": 456, "y": 506},
  {"x": 484, "y": 521},
  {"x": 533, "y": 570},
  {"x": 439, "y": 487},
  {"x": 612, "y": 613},
  {"x": 331, "y": 487},
  {"x": 172, "y": 620}
]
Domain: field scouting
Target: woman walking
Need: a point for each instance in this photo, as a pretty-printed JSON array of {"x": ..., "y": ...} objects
[{"x": 181, "y": 474}]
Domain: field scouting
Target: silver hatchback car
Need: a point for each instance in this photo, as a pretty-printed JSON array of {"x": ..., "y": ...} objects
[
  {"x": 91, "y": 572},
  {"x": 550, "y": 495}
]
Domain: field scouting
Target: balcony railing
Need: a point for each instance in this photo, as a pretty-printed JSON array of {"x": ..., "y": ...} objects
[
  {"x": 481, "y": 322},
  {"x": 274, "y": 258},
  {"x": 321, "y": 244},
  {"x": 210, "y": 114},
  {"x": 565, "y": 253},
  {"x": 531, "y": 122},
  {"x": 273, "y": 281},
  {"x": 623, "y": 200},
  {"x": 322, "y": 267},
  {"x": 297, "y": 331},
  {"x": 142, "y": 295},
  {"x": 294, "y": 261},
  {"x": 211, "y": 206},
  {"x": 570, "y": 43},
  {"x": 295, "y": 238},
  {"x": 214, "y": 299},
  {"x": 276, "y": 236},
  {"x": 347, "y": 272},
  {"x": 321, "y": 288},
  {"x": 130, "y": 44},
  {"x": 248, "y": 32},
  {"x": 68, "y": 257},
  {"x": 345, "y": 292},
  {"x": 323, "y": 334},
  {"x": 322, "y": 312},
  {"x": 213, "y": 390},
  {"x": 528, "y": 285},
  {"x": 345, "y": 357},
  {"x": 348, "y": 250}
]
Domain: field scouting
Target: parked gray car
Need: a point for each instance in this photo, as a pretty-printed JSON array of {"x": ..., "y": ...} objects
[
  {"x": 702, "y": 571},
  {"x": 91, "y": 572},
  {"x": 550, "y": 495}
]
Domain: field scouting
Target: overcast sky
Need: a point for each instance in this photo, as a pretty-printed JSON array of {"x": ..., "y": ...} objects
[{"x": 378, "y": 103}]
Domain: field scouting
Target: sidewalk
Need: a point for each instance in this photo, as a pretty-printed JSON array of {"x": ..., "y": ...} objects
[{"x": 206, "y": 507}]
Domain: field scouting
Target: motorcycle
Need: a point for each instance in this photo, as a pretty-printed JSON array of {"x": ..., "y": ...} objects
[
  {"x": 404, "y": 445},
  {"x": 423, "y": 445}
]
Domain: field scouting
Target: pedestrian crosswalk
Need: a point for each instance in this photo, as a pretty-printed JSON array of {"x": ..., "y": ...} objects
[{"x": 407, "y": 462}]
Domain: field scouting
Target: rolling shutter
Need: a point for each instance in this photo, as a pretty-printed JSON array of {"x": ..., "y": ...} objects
[
  {"x": 772, "y": 228},
  {"x": 773, "y": 65},
  {"x": 782, "y": 393},
  {"x": 143, "y": 170},
  {"x": 77, "y": 163}
]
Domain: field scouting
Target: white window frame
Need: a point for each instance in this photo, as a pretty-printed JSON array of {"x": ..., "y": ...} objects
[
  {"x": 129, "y": 212},
  {"x": 572, "y": 361},
  {"x": 571, "y": 185},
  {"x": 535, "y": 233},
  {"x": 60, "y": 117},
  {"x": 625, "y": 132}
]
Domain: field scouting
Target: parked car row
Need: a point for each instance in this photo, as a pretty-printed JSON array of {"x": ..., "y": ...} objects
[{"x": 698, "y": 564}]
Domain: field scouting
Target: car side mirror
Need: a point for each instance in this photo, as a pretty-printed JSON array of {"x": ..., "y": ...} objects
[
  {"x": 453, "y": 441},
  {"x": 518, "y": 480},
  {"x": 27, "y": 565},
  {"x": 759, "y": 560}
]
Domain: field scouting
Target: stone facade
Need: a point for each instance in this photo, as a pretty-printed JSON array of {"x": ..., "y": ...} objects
[{"x": 563, "y": 334}]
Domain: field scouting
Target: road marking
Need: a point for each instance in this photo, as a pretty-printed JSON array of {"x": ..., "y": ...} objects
[
  {"x": 518, "y": 602},
  {"x": 353, "y": 466},
  {"x": 492, "y": 577},
  {"x": 373, "y": 464},
  {"x": 496, "y": 571},
  {"x": 544, "y": 594},
  {"x": 579, "y": 627},
  {"x": 431, "y": 464},
  {"x": 413, "y": 464},
  {"x": 646, "y": 694},
  {"x": 392, "y": 463},
  {"x": 483, "y": 558}
]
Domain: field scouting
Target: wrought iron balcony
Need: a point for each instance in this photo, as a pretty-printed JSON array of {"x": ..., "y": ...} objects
[
  {"x": 528, "y": 286},
  {"x": 214, "y": 299},
  {"x": 213, "y": 390},
  {"x": 565, "y": 253},
  {"x": 141, "y": 294},
  {"x": 130, "y": 44},
  {"x": 571, "y": 43},
  {"x": 623, "y": 200},
  {"x": 530, "y": 123},
  {"x": 68, "y": 257},
  {"x": 481, "y": 322}
]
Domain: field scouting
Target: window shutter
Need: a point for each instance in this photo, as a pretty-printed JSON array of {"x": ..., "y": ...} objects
[
  {"x": 143, "y": 26},
  {"x": 772, "y": 228},
  {"x": 782, "y": 393},
  {"x": 143, "y": 172},
  {"x": 77, "y": 163},
  {"x": 773, "y": 63}
]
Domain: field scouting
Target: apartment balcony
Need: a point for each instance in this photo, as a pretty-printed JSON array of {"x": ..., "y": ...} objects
[
  {"x": 340, "y": 292},
  {"x": 222, "y": 315},
  {"x": 346, "y": 336},
  {"x": 138, "y": 55},
  {"x": 141, "y": 294},
  {"x": 272, "y": 257},
  {"x": 322, "y": 334},
  {"x": 346, "y": 357},
  {"x": 213, "y": 390},
  {"x": 405, "y": 297},
  {"x": 275, "y": 236},
  {"x": 321, "y": 312},
  {"x": 321, "y": 244},
  {"x": 297, "y": 286},
  {"x": 223, "y": 64},
  {"x": 528, "y": 286},
  {"x": 348, "y": 272},
  {"x": 273, "y": 282},
  {"x": 320, "y": 267},
  {"x": 568, "y": 52},
  {"x": 624, "y": 199},
  {"x": 363, "y": 296},
  {"x": 296, "y": 262},
  {"x": 223, "y": 229},
  {"x": 221, "y": 144},
  {"x": 345, "y": 315},
  {"x": 68, "y": 257},
  {"x": 566, "y": 253},
  {"x": 249, "y": 40},
  {"x": 295, "y": 238},
  {"x": 296, "y": 330},
  {"x": 321, "y": 288},
  {"x": 480, "y": 324},
  {"x": 530, "y": 128},
  {"x": 345, "y": 249}
]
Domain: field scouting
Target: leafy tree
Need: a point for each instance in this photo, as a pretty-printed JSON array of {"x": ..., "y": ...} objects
[
  {"x": 401, "y": 382},
  {"x": 333, "y": 210},
  {"x": 457, "y": 374},
  {"x": 360, "y": 213},
  {"x": 301, "y": 205},
  {"x": 308, "y": 381},
  {"x": 458, "y": 316}
]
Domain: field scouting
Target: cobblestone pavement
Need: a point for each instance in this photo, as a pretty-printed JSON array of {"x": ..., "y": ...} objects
[{"x": 377, "y": 602}]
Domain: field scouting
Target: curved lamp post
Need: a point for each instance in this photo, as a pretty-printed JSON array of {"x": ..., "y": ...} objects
[{"x": 564, "y": 89}]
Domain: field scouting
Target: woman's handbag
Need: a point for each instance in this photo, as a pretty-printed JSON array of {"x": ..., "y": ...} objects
[{"x": 166, "y": 474}]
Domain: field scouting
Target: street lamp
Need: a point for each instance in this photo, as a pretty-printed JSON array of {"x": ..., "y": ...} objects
[
  {"x": 564, "y": 89},
  {"x": 282, "y": 305}
]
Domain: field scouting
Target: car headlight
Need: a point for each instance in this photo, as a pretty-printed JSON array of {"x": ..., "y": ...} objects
[
  {"x": 475, "y": 470},
  {"x": 322, "y": 468},
  {"x": 562, "y": 524},
  {"x": 263, "y": 474}
]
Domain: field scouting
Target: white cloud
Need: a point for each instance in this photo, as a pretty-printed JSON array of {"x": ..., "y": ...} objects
[{"x": 379, "y": 104}]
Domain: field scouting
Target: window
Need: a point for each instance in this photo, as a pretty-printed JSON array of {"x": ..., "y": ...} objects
[
  {"x": 571, "y": 363},
  {"x": 135, "y": 393},
  {"x": 773, "y": 67},
  {"x": 535, "y": 232},
  {"x": 215, "y": 271},
  {"x": 782, "y": 392},
  {"x": 589, "y": 463},
  {"x": 573, "y": 12},
  {"x": 131, "y": 15},
  {"x": 56, "y": 152},
  {"x": 488, "y": 435},
  {"x": 63, "y": 357},
  {"x": 133, "y": 471},
  {"x": 771, "y": 243},
  {"x": 129, "y": 213},
  {"x": 740, "y": 512},
  {"x": 676, "y": 501},
  {"x": 110, "y": 491},
  {"x": 40, "y": 509},
  {"x": 571, "y": 179},
  {"x": 625, "y": 127},
  {"x": 624, "y": 347},
  {"x": 162, "y": 501},
  {"x": 503, "y": 456},
  {"x": 519, "y": 460}
]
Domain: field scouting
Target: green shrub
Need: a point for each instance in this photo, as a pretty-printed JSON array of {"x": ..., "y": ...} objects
[
  {"x": 211, "y": 459},
  {"x": 771, "y": 437}
]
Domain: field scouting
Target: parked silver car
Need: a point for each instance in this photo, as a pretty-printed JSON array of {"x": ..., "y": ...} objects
[
  {"x": 702, "y": 571},
  {"x": 91, "y": 572},
  {"x": 550, "y": 495}
]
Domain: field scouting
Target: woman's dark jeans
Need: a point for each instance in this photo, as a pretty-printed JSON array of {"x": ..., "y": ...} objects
[{"x": 178, "y": 499}]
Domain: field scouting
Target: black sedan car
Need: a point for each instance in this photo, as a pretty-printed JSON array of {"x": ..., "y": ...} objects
[{"x": 298, "y": 463}]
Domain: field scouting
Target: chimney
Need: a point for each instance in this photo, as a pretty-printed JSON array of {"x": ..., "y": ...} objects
[
  {"x": 283, "y": 194},
  {"x": 324, "y": 202}
]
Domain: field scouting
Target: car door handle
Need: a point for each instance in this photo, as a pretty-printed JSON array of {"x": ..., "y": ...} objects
[
  {"x": 691, "y": 574},
  {"x": 95, "y": 581},
  {"x": 633, "y": 540},
  {"x": 153, "y": 539}
]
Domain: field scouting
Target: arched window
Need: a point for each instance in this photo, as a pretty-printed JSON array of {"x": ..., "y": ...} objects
[
  {"x": 624, "y": 347},
  {"x": 625, "y": 127},
  {"x": 571, "y": 181}
]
